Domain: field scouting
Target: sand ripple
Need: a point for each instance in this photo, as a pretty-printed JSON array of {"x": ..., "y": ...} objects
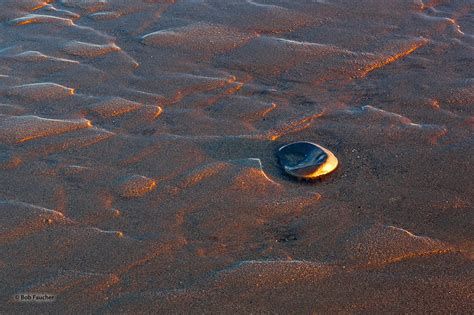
[
  {"x": 41, "y": 91},
  {"x": 16, "y": 129}
]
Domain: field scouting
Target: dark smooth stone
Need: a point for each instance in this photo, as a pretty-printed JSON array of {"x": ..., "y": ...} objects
[{"x": 301, "y": 159}]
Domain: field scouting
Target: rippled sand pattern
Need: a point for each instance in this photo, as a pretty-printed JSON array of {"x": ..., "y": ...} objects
[{"x": 137, "y": 156}]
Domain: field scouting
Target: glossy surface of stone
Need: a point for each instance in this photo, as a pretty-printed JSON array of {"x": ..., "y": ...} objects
[{"x": 306, "y": 160}]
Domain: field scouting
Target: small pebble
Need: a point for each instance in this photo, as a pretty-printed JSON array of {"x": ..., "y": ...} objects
[{"x": 306, "y": 160}]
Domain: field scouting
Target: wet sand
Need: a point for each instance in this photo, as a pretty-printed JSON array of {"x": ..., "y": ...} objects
[{"x": 138, "y": 166}]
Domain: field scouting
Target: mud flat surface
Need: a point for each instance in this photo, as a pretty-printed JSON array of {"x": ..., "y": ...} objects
[{"x": 137, "y": 156}]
